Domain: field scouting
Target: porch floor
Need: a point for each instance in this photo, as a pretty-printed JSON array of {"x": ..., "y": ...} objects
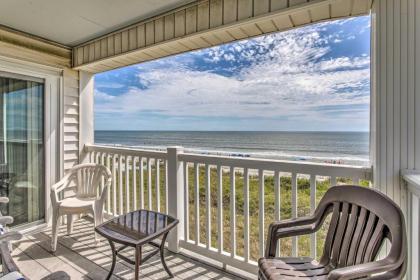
[{"x": 77, "y": 257}]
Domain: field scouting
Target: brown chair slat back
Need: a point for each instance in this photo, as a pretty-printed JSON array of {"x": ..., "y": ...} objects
[{"x": 361, "y": 220}]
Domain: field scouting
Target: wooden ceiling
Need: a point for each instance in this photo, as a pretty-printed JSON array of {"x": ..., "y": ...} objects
[{"x": 204, "y": 24}]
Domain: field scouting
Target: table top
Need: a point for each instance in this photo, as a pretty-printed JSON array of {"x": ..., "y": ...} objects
[{"x": 137, "y": 228}]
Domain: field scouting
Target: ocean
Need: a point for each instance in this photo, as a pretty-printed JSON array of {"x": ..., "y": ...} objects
[{"x": 331, "y": 147}]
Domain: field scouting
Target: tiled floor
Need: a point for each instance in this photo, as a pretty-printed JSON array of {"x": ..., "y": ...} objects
[{"x": 77, "y": 257}]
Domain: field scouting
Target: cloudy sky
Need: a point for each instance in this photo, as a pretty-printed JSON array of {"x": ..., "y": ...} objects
[{"x": 311, "y": 78}]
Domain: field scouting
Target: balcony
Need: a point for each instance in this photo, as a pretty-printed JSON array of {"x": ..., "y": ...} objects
[
  {"x": 225, "y": 204},
  {"x": 77, "y": 257},
  {"x": 222, "y": 244}
]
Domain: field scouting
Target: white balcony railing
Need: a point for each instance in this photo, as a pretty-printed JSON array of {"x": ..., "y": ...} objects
[
  {"x": 224, "y": 204},
  {"x": 412, "y": 181}
]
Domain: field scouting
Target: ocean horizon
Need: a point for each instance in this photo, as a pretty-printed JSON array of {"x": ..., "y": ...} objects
[{"x": 340, "y": 147}]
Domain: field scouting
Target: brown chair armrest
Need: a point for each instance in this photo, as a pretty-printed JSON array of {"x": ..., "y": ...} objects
[
  {"x": 10, "y": 236},
  {"x": 286, "y": 228},
  {"x": 8, "y": 264},
  {"x": 363, "y": 270}
]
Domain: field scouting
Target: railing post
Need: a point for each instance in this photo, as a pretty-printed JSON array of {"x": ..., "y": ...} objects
[{"x": 175, "y": 196}]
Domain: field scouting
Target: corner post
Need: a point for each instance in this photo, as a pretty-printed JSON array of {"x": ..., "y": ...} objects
[
  {"x": 175, "y": 196},
  {"x": 86, "y": 113}
]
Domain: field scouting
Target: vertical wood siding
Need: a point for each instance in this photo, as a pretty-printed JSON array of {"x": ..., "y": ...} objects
[
  {"x": 396, "y": 86},
  {"x": 207, "y": 23}
]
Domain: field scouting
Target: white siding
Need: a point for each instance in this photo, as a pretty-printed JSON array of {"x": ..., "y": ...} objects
[
  {"x": 27, "y": 49},
  {"x": 396, "y": 88},
  {"x": 70, "y": 119}
]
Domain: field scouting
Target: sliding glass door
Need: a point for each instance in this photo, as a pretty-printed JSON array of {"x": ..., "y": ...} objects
[{"x": 22, "y": 147}]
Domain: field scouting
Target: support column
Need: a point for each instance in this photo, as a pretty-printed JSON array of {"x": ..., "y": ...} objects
[
  {"x": 86, "y": 114},
  {"x": 396, "y": 105},
  {"x": 175, "y": 196},
  {"x": 395, "y": 93}
]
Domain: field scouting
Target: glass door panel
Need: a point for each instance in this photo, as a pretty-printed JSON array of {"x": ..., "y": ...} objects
[{"x": 22, "y": 148}]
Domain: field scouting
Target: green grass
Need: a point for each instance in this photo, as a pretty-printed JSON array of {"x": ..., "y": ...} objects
[{"x": 303, "y": 206}]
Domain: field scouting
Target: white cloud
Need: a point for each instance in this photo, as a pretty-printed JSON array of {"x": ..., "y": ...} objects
[{"x": 289, "y": 80}]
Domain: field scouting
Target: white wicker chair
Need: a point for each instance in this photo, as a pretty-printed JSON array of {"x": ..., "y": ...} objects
[{"x": 86, "y": 198}]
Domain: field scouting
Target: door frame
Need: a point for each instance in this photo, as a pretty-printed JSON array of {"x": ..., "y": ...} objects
[{"x": 53, "y": 99}]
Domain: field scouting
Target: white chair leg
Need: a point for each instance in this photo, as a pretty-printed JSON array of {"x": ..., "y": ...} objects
[
  {"x": 98, "y": 217},
  {"x": 69, "y": 223},
  {"x": 55, "y": 225}
]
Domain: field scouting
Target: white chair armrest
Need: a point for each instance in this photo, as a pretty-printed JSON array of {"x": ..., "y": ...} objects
[
  {"x": 59, "y": 187},
  {"x": 4, "y": 199}
]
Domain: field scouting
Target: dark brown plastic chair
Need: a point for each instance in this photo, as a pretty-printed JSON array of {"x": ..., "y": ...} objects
[{"x": 362, "y": 218}]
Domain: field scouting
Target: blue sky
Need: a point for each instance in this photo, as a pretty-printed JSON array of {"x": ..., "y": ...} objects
[{"x": 315, "y": 78}]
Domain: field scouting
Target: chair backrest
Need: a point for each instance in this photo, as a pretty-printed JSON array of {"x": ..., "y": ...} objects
[
  {"x": 362, "y": 218},
  {"x": 88, "y": 178}
]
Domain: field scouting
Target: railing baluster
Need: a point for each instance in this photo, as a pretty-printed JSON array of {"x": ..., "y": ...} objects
[
  {"x": 114, "y": 184},
  {"x": 134, "y": 174},
  {"x": 108, "y": 199},
  {"x": 208, "y": 209},
  {"x": 355, "y": 181},
  {"x": 333, "y": 181},
  {"x": 157, "y": 164},
  {"x": 120, "y": 184},
  {"x": 277, "y": 203},
  {"x": 96, "y": 160},
  {"x": 261, "y": 211},
  {"x": 294, "y": 213},
  {"x": 246, "y": 214},
  {"x": 102, "y": 162},
  {"x": 197, "y": 203},
  {"x": 313, "y": 205},
  {"x": 220, "y": 208},
  {"x": 141, "y": 179},
  {"x": 186, "y": 204},
  {"x": 166, "y": 186},
  {"x": 232, "y": 211},
  {"x": 149, "y": 183},
  {"x": 127, "y": 185}
]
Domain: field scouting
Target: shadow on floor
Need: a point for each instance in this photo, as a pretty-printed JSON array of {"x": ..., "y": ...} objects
[{"x": 58, "y": 275}]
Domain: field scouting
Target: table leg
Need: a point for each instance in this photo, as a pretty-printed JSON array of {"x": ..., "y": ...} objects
[
  {"x": 138, "y": 262},
  {"x": 114, "y": 259},
  {"x": 162, "y": 255}
]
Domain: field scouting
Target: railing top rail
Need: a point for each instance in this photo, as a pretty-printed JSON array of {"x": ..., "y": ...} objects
[
  {"x": 126, "y": 151},
  {"x": 310, "y": 168},
  {"x": 412, "y": 177}
]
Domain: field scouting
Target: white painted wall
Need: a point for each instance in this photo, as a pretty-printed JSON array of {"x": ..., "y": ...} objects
[{"x": 396, "y": 92}]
